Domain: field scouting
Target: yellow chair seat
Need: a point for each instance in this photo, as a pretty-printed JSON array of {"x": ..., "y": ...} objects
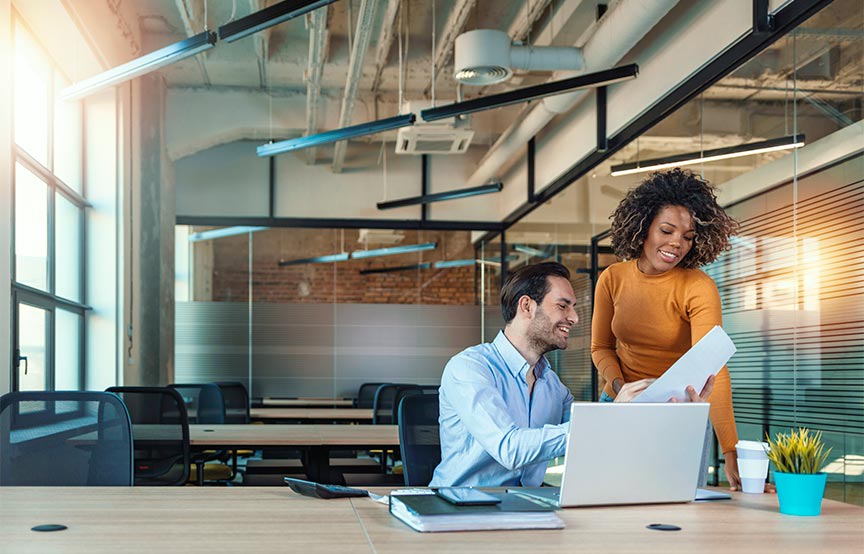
[{"x": 212, "y": 472}]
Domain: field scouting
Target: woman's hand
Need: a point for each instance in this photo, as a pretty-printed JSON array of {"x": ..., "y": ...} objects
[
  {"x": 731, "y": 468},
  {"x": 630, "y": 391},
  {"x": 701, "y": 397}
]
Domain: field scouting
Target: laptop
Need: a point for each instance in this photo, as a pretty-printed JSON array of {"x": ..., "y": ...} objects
[{"x": 630, "y": 454}]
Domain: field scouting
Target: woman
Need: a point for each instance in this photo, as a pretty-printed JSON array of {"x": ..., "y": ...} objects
[{"x": 652, "y": 307}]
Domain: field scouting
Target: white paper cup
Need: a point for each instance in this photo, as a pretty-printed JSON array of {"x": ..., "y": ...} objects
[{"x": 752, "y": 465}]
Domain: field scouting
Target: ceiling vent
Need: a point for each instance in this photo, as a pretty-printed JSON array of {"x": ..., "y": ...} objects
[
  {"x": 450, "y": 136},
  {"x": 376, "y": 237}
]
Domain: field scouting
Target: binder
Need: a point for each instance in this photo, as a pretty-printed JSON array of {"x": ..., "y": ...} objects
[{"x": 430, "y": 513}]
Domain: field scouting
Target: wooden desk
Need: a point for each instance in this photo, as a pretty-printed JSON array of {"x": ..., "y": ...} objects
[
  {"x": 196, "y": 520},
  {"x": 307, "y": 402},
  {"x": 311, "y": 414},
  {"x": 316, "y": 441}
]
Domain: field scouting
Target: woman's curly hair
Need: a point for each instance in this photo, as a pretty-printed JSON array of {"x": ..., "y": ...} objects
[{"x": 675, "y": 187}]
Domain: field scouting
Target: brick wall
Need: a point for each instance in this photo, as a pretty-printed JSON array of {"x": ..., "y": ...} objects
[{"x": 339, "y": 282}]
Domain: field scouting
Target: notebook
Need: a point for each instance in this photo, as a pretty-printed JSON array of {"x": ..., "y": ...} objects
[
  {"x": 427, "y": 512},
  {"x": 629, "y": 454}
]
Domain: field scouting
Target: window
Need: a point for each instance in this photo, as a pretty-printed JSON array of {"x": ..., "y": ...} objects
[{"x": 48, "y": 224}]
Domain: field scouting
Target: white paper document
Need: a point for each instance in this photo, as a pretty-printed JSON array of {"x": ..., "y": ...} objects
[{"x": 705, "y": 358}]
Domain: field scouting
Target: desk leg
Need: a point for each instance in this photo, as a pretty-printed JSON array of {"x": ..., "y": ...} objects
[{"x": 316, "y": 461}]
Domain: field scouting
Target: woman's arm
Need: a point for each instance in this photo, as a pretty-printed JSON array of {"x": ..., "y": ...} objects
[
  {"x": 603, "y": 341},
  {"x": 705, "y": 313}
]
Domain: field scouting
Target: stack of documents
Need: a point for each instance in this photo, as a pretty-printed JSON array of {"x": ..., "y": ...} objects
[{"x": 430, "y": 513}]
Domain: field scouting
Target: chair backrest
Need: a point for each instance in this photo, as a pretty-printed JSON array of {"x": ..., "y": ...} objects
[
  {"x": 430, "y": 389},
  {"x": 204, "y": 403},
  {"x": 65, "y": 438},
  {"x": 382, "y": 406},
  {"x": 402, "y": 392},
  {"x": 236, "y": 400},
  {"x": 160, "y": 429},
  {"x": 366, "y": 395},
  {"x": 419, "y": 439}
]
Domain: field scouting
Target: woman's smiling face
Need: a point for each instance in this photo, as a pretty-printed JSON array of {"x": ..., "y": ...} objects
[{"x": 670, "y": 238}]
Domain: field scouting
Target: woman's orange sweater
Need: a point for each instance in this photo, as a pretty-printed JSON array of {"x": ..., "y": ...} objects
[{"x": 643, "y": 323}]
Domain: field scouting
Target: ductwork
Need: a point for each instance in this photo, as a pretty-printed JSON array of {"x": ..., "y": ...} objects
[
  {"x": 486, "y": 56},
  {"x": 620, "y": 29}
]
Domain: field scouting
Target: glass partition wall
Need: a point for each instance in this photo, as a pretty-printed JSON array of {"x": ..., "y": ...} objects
[
  {"x": 297, "y": 312},
  {"x": 791, "y": 285}
]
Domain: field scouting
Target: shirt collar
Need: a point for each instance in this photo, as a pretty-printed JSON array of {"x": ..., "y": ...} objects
[{"x": 516, "y": 364}]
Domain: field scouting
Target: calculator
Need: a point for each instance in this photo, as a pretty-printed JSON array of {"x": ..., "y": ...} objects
[{"x": 321, "y": 490}]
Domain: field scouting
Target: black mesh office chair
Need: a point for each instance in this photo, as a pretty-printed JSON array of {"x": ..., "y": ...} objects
[
  {"x": 419, "y": 439},
  {"x": 366, "y": 395},
  {"x": 204, "y": 402},
  {"x": 236, "y": 400},
  {"x": 160, "y": 428},
  {"x": 382, "y": 406},
  {"x": 402, "y": 392},
  {"x": 65, "y": 438},
  {"x": 205, "y": 405}
]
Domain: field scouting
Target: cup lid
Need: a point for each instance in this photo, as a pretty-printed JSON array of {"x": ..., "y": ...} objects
[{"x": 752, "y": 445}]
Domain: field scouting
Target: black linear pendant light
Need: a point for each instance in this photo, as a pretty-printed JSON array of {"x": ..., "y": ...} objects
[
  {"x": 441, "y": 196},
  {"x": 268, "y": 17},
  {"x": 589, "y": 80}
]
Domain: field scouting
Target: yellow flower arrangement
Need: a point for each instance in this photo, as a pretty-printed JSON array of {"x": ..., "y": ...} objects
[{"x": 798, "y": 451}]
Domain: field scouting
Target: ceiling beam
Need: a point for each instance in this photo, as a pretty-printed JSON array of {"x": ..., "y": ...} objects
[
  {"x": 315, "y": 67},
  {"x": 365, "y": 22},
  {"x": 261, "y": 45},
  {"x": 192, "y": 15},
  {"x": 452, "y": 29},
  {"x": 525, "y": 20},
  {"x": 385, "y": 41}
]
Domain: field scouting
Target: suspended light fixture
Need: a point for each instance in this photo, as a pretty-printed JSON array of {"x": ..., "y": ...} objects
[
  {"x": 268, "y": 17},
  {"x": 532, "y": 251},
  {"x": 496, "y": 261},
  {"x": 441, "y": 196},
  {"x": 224, "y": 232},
  {"x": 341, "y": 257},
  {"x": 336, "y": 135},
  {"x": 589, "y": 80},
  {"x": 393, "y": 250},
  {"x": 140, "y": 66},
  {"x": 394, "y": 269},
  {"x": 655, "y": 164}
]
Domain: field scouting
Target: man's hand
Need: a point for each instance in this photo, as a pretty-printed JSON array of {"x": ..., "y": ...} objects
[
  {"x": 701, "y": 397},
  {"x": 630, "y": 391}
]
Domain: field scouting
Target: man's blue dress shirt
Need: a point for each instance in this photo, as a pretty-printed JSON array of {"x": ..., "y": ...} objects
[{"x": 493, "y": 432}]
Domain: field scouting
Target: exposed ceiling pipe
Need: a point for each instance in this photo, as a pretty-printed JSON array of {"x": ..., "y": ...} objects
[
  {"x": 365, "y": 22},
  {"x": 192, "y": 14},
  {"x": 452, "y": 29},
  {"x": 385, "y": 40},
  {"x": 261, "y": 43},
  {"x": 314, "y": 69},
  {"x": 528, "y": 16},
  {"x": 617, "y": 32}
]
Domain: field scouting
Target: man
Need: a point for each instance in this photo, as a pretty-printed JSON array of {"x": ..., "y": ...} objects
[{"x": 503, "y": 412}]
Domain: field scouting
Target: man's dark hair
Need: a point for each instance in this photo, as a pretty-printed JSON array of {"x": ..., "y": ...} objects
[{"x": 530, "y": 280}]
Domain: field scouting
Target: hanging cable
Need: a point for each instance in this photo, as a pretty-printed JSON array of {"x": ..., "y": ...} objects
[{"x": 434, "y": 2}]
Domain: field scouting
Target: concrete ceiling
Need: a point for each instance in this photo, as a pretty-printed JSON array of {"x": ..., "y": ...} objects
[{"x": 751, "y": 104}]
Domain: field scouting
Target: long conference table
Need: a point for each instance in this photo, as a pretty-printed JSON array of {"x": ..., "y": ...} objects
[
  {"x": 341, "y": 415},
  {"x": 202, "y": 520},
  {"x": 307, "y": 402},
  {"x": 316, "y": 441}
]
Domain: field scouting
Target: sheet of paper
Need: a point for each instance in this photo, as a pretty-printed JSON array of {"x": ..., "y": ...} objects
[{"x": 705, "y": 358}]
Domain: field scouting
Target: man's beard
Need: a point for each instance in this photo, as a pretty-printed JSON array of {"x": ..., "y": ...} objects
[{"x": 540, "y": 333}]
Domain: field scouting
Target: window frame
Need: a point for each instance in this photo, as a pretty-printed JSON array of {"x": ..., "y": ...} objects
[{"x": 28, "y": 295}]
